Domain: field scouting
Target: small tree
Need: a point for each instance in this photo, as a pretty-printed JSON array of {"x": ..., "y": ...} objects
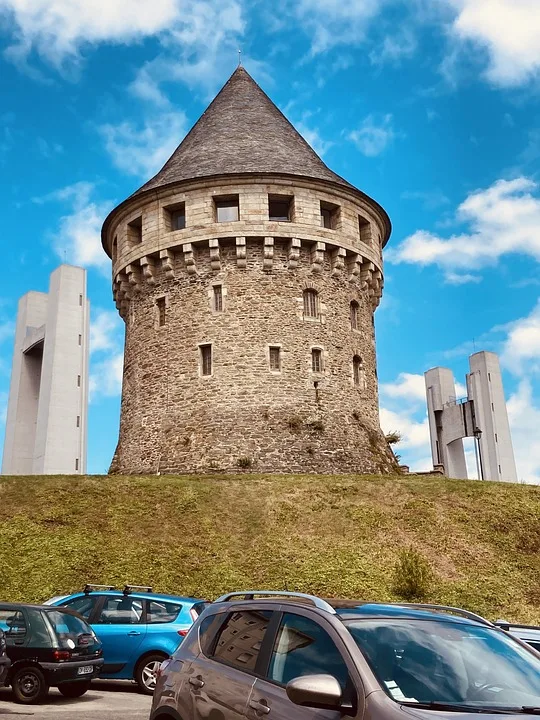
[
  {"x": 394, "y": 437},
  {"x": 413, "y": 575}
]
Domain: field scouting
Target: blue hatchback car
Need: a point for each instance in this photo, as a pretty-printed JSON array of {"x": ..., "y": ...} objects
[{"x": 137, "y": 628}]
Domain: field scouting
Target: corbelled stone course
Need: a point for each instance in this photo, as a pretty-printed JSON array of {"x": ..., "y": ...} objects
[{"x": 246, "y": 414}]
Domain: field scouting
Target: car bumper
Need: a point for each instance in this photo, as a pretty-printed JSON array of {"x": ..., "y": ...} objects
[
  {"x": 4, "y": 669},
  {"x": 69, "y": 671}
]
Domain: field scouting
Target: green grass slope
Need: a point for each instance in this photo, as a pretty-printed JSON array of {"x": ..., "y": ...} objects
[{"x": 335, "y": 536}]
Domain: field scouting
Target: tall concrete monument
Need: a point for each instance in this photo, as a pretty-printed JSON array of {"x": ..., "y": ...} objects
[
  {"x": 48, "y": 397},
  {"x": 481, "y": 415}
]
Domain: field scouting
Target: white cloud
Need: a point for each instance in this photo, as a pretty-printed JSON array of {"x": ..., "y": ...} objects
[
  {"x": 507, "y": 30},
  {"x": 524, "y": 418},
  {"x": 501, "y": 219},
  {"x": 77, "y": 239},
  {"x": 59, "y": 29},
  {"x": 394, "y": 48},
  {"x": 106, "y": 376},
  {"x": 105, "y": 330},
  {"x": 373, "y": 136},
  {"x": 407, "y": 386},
  {"x": 143, "y": 151},
  {"x": 521, "y": 348},
  {"x": 336, "y": 22}
]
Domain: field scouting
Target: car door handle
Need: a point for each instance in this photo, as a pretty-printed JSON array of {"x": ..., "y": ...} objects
[
  {"x": 133, "y": 633},
  {"x": 259, "y": 707},
  {"x": 196, "y": 682}
]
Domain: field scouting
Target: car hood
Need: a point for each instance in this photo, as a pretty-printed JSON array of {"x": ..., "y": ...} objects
[{"x": 455, "y": 715}]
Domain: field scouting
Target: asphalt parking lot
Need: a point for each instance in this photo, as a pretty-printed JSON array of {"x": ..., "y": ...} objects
[{"x": 106, "y": 700}]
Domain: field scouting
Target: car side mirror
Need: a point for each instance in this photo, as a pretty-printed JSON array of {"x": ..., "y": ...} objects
[{"x": 315, "y": 691}]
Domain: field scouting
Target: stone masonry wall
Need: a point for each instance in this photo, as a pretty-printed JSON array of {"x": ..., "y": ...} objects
[{"x": 246, "y": 415}]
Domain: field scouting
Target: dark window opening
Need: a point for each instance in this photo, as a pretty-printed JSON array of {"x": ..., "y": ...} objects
[
  {"x": 317, "y": 360},
  {"x": 311, "y": 303},
  {"x": 78, "y": 421},
  {"x": 178, "y": 217},
  {"x": 280, "y": 208},
  {"x": 161, "y": 308},
  {"x": 80, "y": 339},
  {"x": 358, "y": 370},
  {"x": 80, "y": 300},
  {"x": 134, "y": 231},
  {"x": 78, "y": 381},
  {"x": 218, "y": 298},
  {"x": 76, "y": 463},
  {"x": 114, "y": 248},
  {"x": 329, "y": 215},
  {"x": 227, "y": 209},
  {"x": 206, "y": 359},
  {"x": 275, "y": 358},
  {"x": 364, "y": 229},
  {"x": 355, "y": 307}
]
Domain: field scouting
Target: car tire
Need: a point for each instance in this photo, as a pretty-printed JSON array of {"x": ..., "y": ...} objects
[
  {"x": 146, "y": 667},
  {"x": 29, "y": 685},
  {"x": 74, "y": 689}
]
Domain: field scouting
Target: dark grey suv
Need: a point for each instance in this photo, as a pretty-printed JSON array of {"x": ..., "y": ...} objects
[{"x": 296, "y": 657}]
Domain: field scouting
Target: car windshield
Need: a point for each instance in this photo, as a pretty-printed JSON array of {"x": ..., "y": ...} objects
[
  {"x": 70, "y": 630},
  {"x": 423, "y": 661}
]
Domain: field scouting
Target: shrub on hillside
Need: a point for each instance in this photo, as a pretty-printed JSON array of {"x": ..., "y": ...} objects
[{"x": 412, "y": 575}]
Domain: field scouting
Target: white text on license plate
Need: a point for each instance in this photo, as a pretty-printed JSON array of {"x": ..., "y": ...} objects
[{"x": 85, "y": 670}]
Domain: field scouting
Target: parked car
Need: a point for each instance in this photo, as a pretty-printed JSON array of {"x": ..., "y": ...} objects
[
  {"x": 528, "y": 633},
  {"x": 47, "y": 647},
  {"x": 5, "y": 662},
  {"x": 138, "y": 628},
  {"x": 299, "y": 657}
]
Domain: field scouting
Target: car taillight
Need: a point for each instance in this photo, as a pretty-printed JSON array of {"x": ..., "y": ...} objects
[
  {"x": 61, "y": 654},
  {"x": 183, "y": 633}
]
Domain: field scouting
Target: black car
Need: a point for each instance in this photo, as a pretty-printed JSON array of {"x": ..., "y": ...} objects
[
  {"x": 48, "y": 646},
  {"x": 5, "y": 662}
]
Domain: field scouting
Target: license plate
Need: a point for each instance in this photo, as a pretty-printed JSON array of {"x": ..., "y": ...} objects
[{"x": 85, "y": 670}]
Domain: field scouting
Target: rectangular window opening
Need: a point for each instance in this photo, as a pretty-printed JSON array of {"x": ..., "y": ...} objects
[
  {"x": 78, "y": 381},
  {"x": 134, "y": 231},
  {"x": 218, "y": 298},
  {"x": 161, "y": 308},
  {"x": 316, "y": 360},
  {"x": 80, "y": 300},
  {"x": 275, "y": 358},
  {"x": 175, "y": 216},
  {"x": 206, "y": 359},
  {"x": 496, "y": 439},
  {"x": 364, "y": 229},
  {"x": 280, "y": 208},
  {"x": 78, "y": 421},
  {"x": 76, "y": 464},
  {"x": 227, "y": 208},
  {"x": 329, "y": 215},
  {"x": 80, "y": 339}
]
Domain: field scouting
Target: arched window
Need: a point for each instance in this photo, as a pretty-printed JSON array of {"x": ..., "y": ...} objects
[
  {"x": 355, "y": 307},
  {"x": 358, "y": 371},
  {"x": 311, "y": 303}
]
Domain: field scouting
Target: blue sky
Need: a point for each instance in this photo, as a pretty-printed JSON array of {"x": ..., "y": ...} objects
[{"x": 430, "y": 106}]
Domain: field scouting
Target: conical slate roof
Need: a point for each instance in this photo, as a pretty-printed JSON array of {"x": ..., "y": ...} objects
[{"x": 241, "y": 131}]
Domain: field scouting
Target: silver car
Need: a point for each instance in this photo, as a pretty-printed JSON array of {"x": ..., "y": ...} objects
[{"x": 290, "y": 656}]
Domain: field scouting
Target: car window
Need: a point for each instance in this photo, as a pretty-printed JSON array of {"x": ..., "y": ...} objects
[
  {"x": 161, "y": 612},
  {"x": 239, "y": 640},
  {"x": 83, "y": 605},
  {"x": 69, "y": 629},
  {"x": 13, "y": 624},
  {"x": 303, "y": 647},
  {"x": 120, "y": 610}
]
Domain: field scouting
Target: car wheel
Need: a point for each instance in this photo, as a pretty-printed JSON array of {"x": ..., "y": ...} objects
[
  {"x": 29, "y": 686},
  {"x": 74, "y": 689},
  {"x": 145, "y": 672}
]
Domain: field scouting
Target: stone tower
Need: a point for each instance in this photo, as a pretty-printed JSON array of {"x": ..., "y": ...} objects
[{"x": 247, "y": 274}]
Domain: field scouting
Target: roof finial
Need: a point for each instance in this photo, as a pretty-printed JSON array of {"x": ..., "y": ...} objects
[{"x": 239, "y": 58}]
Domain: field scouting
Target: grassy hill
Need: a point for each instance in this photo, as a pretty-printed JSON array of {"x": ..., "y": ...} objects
[{"x": 336, "y": 536}]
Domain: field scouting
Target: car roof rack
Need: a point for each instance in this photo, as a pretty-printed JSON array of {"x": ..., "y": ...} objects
[
  {"x": 250, "y": 594},
  {"x": 136, "y": 588},
  {"x": 91, "y": 587},
  {"x": 449, "y": 609}
]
